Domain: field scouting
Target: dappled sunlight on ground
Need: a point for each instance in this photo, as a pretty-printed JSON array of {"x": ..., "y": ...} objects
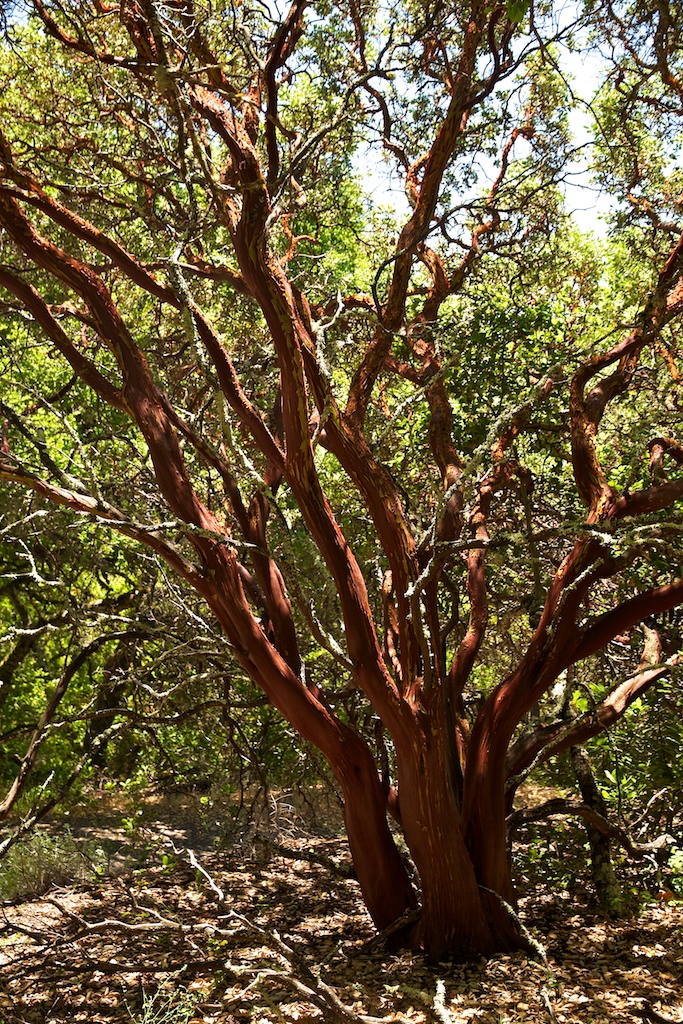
[{"x": 60, "y": 963}]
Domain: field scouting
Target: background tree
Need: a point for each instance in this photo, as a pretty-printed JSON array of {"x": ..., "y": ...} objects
[{"x": 430, "y": 460}]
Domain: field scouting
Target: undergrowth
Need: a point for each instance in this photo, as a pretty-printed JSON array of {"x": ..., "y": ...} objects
[{"x": 43, "y": 861}]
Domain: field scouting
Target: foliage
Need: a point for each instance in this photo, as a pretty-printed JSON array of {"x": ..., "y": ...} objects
[
  {"x": 164, "y": 1007},
  {"x": 44, "y": 861},
  {"x": 676, "y": 868}
]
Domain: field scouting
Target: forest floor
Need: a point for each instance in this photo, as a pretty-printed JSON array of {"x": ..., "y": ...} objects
[{"x": 178, "y": 931}]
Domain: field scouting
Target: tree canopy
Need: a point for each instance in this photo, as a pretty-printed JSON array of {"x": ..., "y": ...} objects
[{"x": 410, "y": 468}]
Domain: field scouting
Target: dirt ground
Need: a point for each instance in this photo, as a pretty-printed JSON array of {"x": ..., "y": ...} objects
[{"x": 178, "y": 933}]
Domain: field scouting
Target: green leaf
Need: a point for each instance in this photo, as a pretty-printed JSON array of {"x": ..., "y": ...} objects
[{"x": 516, "y": 10}]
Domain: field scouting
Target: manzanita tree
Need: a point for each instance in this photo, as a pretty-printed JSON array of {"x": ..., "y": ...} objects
[{"x": 253, "y": 359}]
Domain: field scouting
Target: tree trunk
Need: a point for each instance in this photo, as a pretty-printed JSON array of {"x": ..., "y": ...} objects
[
  {"x": 461, "y": 916},
  {"x": 606, "y": 882},
  {"x": 381, "y": 873}
]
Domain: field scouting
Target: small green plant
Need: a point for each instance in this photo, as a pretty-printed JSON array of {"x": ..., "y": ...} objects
[
  {"x": 42, "y": 861},
  {"x": 131, "y": 825},
  {"x": 168, "y": 862},
  {"x": 165, "y": 1007}
]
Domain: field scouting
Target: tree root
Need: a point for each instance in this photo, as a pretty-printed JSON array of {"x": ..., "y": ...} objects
[
  {"x": 535, "y": 946},
  {"x": 407, "y": 918}
]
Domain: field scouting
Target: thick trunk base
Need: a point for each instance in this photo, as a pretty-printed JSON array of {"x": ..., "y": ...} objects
[{"x": 460, "y": 919}]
